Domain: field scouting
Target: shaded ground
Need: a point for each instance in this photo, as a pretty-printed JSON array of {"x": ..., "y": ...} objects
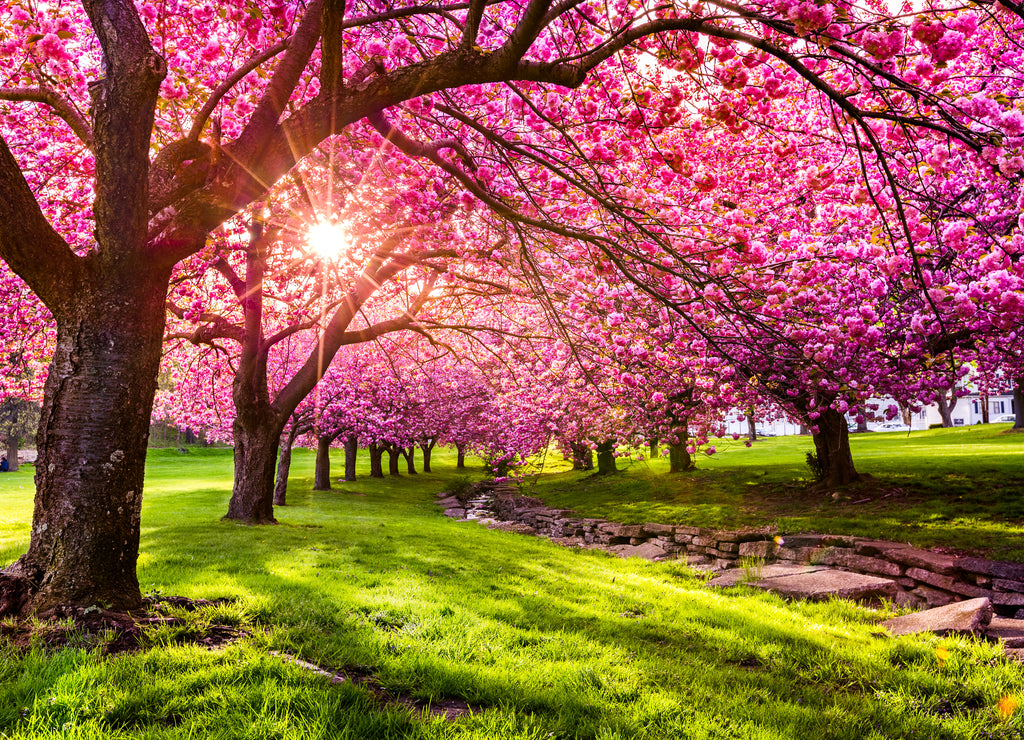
[{"x": 113, "y": 633}]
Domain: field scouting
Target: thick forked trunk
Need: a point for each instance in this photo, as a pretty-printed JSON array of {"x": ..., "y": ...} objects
[
  {"x": 351, "y": 450},
  {"x": 376, "y": 458},
  {"x": 92, "y": 439},
  {"x": 832, "y": 448},
  {"x": 284, "y": 465},
  {"x": 679, "y": 459},
  {"x": 12, "y": 453},
  {"x": 427, "y": 448},
  {"x": 256, "y": 433},
  {"x": 460, "y": 459},
  {"x": 410, "y": 459},
  {"x": 393, "y": 453},
  {"x": 322, "y": 474},
  {"x": 606, "y": 458}
]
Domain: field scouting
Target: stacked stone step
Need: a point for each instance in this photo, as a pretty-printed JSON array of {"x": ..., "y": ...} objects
[{"x": 923, "y": 577}]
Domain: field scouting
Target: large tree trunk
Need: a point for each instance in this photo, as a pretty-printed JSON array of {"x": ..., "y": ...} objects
[
  {"x": 376, "y": 457},
  {"x": 351, "y": 450},
  {"x": 252, "y": 497},
  {"x": 1018, "y": 403},
  {"x": 410, "y": 459},
  {"x": 284, "y": 465},
  {"x": 460, "y": 459},
  {"x": 679, "y": 460},
  {"x": 12, "y": 452},
  {"x": 92, "y": 440},
  {"x": 751, "y": 425},
  {"x": 832, "y": 448},
  {"x": 427, "y": 448},
  {"x": 322, "y": 474},
  {"x": 606, "y": 458}
]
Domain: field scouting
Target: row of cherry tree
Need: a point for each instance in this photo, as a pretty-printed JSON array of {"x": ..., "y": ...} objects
[{"x": 698, "y": 206}]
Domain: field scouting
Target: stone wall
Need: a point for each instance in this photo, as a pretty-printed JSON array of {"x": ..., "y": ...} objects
[{"x": 923, "y": 577}]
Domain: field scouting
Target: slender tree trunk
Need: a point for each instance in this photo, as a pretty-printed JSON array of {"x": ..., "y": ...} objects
[
  {"x": 460, "y": 460},
  {"x": 12, "y": 452},
  {"x": 751, "y": 425},
  {"x": 427, "y": 448},
  {"x": 606, "y": 457},
  {"x": 322, "y": 474},
  {"x": 284, "y": 465},
  {"x": 679, "y": 460},
  {"x": 351, "y": 450},
  {"x": 652, "y": 445},
  {"x": 92, "y": 440},
  {"x": 862, "y": 425},
  {"x": 393, "y": 454},
  {"x": 410, "y": 459},
  {"x": 832, "y": 448},
  {"x": 1018, "y": 404},
  {"x": 983, "y": 401},
  {"x": 376, "y": 457}
]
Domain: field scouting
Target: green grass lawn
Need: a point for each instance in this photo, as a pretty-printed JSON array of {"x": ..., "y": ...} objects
[
  {"x": 542, "y": 641},
  {"x": 960, "y": 489}
]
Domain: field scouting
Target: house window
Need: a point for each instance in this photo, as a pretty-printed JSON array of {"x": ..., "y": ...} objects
[
  {"x": 958, "y": 422},
  {"x": 998, "y": 407},
  {"x": 975, "y": 402}
]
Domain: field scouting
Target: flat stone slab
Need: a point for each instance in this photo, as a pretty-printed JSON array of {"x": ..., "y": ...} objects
[
  {"x": 765, "y": 573},
  {"x": 647, "y": 550},
  {"x": 455, "y": 513},
  {"x": 962, "y": 618},
  {"x": 828, "y": 583},
  {"x": 1010, "y": 632}
]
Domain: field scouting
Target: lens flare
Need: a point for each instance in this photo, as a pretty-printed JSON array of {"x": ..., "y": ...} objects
[{"x": 327, "y": 240}]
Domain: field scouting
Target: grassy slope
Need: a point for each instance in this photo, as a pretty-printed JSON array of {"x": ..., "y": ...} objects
[
  {"x": 957, "y": 488},
  {"x": 548, "y": 642}
]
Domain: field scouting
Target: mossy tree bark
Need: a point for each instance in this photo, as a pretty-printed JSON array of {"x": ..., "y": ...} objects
[{"x": 606, "y": 457}]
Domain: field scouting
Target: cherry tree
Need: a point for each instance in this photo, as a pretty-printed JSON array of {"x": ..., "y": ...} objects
[{"x": 181, "y": 135}]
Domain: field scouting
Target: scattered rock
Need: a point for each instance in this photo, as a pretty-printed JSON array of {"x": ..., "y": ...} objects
[{"x": 962, "y": 618}]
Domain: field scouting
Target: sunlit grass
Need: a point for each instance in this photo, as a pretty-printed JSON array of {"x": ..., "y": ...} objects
[{"x": 543, "y": 642}]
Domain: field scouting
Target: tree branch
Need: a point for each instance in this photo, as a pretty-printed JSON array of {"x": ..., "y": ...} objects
[
  {"x": 63, "y": 108},
  {"x": 28, "y": 243}
]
